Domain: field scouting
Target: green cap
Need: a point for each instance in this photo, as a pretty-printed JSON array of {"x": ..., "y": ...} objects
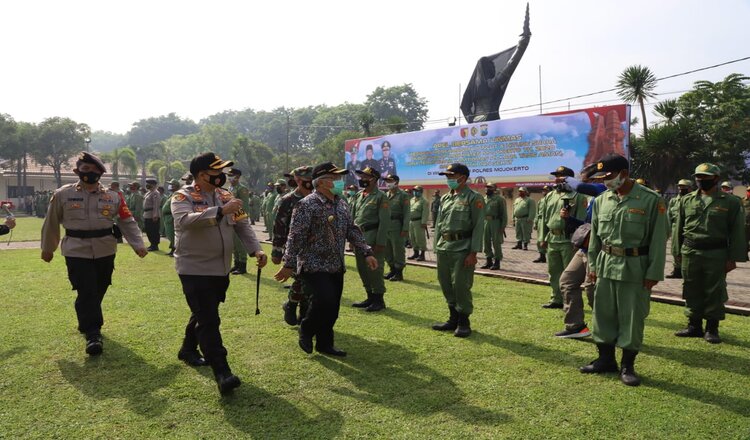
[
  {"x": 726, "y": 184},
  {"x": 280, "y": 182},
  {"x": 707, "y": 169},
  {"x": 174, "y": 182},
  {"x": 685, "y": 182},
  {"x": 303, "y": 172}
]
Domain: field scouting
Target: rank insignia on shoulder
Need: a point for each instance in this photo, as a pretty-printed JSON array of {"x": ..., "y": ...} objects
[
  {"x": 179, "y": 197},
  {"x": 661, "y": 207},
  {"x": 479, "y": 204},
  {"x": 384, "y": 205}
]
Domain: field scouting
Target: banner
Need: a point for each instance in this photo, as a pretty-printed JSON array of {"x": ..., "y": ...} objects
[{"x": 509, "y": 152}]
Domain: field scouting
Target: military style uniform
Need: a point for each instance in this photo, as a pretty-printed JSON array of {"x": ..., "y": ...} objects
[
  {"x": 496, "y": 219},
  {"x": 395, "y": 250},
  {"x": 268, "y": 203},
  {"x": 418, "y": 218},
  {"x": 135, "y": 204},
  {"x": 240, "y": 255},
  {"x": 746, "y": 207},
  {"x": 435, "y": 208},
  {"x": 524, "y": 211},
  {"x": 538, "y": 220},
  {"x": 151, "y": 214},
  {"x": 672, "y": 209},
  {"x": 708, "y": 233}
]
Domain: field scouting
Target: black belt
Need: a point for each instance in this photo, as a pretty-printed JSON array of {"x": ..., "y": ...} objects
[
  {"x": 96, "y": 233},
  {"x": 704, "y": 245},
  {"x": 366, "y": 228},
  {"x": 416, "y": 219},
  {"x": 455, "y": 236},
  {"x": 625, "y": 252},
  {"x": 523, "y": 216}
]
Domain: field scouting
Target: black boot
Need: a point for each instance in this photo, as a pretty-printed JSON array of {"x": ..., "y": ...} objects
[
  {"x": 627, "y": 371},
  {"x": 305, "y": 342},
  {"x": 542, "y": 258},
  {"x": 398, "y": 276},
  {"x": 495, "y": 265},
  {"x": 676, "y": 273},
  {"x": 377, "y": 304},
  {"x": 240, "y": 269},
  {"x": 464, "y": 326},
  {"x": 712, "y": 331},
  {"x": 414, "y": 256},
  {"x": 487, "y": 265},
  {"x": 452, "y": 322},
  {"x": 192, "y": 357},
  {"x": 605, "y": 363},
  {"x": 421, "y": 256},
  {"x": 365, "y": 303},
  {"x": 303, "y": 305},
  {"x": 94, "y": 345},
  {"x": 694, "y": 329},
  {"x": 390, "y": 274},
  {"x": 290, "y": 312},
  {"x": 526, "y": 246},
  {"x": 517, "y": 246}
]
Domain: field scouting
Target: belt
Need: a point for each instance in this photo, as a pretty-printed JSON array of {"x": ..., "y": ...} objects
[
  {"x": 704, "y": 245},
  {"x": 96, "y": 233},
  {"x": 455, "y": 236},
  {"x": 490, "y": 217},
  {"x": 370, "y": 227},
  {"x": 625, "y": 252},
  {"x": 397, "y": 217},
  {"x": 522, "y": 216},
  {"x": 556, "y": 231}
]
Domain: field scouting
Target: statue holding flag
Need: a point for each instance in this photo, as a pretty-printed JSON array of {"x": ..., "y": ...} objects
[{"x": 483, "y": 95}]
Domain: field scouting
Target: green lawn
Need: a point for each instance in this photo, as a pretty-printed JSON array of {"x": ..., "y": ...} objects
[
  {"x": 510, "y": 379},
  {"x": 27, "y": 229}
]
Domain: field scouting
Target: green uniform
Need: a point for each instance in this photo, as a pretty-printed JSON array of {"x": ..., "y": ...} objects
[
  {"x": 459, "y": 231},
  {"x": 240, "y": 192},
  {"x": 398, "y": 229},
  {"x": 496, "y": 219},
  {"x": 419, "y": 214},
  {"x": 268, "y": 203},
  {"x": 620, "y": 228},
  {"x": 672, "y": 208},
  {"x": 552, "y": 232},
  {"x": 746, "y": 207},
  {"x": 709, "y": 231},
  {"x": 135, "y": 205},
  {"x": 254, "y": 203},
  {"x": 372, "y": 213},
  {"x": 538, "y": 220},
  {"x": 168, "y": 220},
  {"x": 524, "y": 212}
]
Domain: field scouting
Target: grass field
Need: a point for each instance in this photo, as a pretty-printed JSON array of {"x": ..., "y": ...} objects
[
  {"x": 27, "y": 229},
  {"x": 510, "y": 379}
]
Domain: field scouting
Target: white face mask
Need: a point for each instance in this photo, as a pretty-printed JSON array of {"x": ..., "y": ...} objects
[{"x": 614, "y": 184}]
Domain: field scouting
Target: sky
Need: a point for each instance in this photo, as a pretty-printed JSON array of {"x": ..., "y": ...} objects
[{"x": 109, "y": 64}]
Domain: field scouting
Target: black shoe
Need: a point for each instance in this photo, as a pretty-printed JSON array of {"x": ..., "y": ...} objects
[
  {"x": 694, "y": 329},
  {"x": 526, "y": 246},
  {"x": 712, "y": 331},
  {"x": 487, "y": 265},
  {"x": 152, "y": 248},
  {"x": 541, "y": 259},
  {"x": 171, "y": 253},
  {"x": 331, "y": 351},
  {"x": 627, "y": 371},
  {"x": 227, "y": 382},
  {"x": 676, "y": 273},
  {"x": 463, "y": 330},
  {"x": 449, "y": 325},
  {"x": 495, "y": 265},
  {"x": 517, "y": 246},
  {"x": 365, "y": 303},
  {"x": 192, "y": 358},
  {"x": 389, "y": 275},
  {"x": 290, "y": 312},
  {"x": 421, "y": 256},
  {"x": 552, "y": 305},
  {"x": 414, "y": 256},
  {"x": 305, "y": 343},
  {"x": 94, "y": 345},
  {"x": 605, "y": 363},
  {"x": 577, "y": 333},
  {"x": 240, "y": 269},
  {"x": 398, "y": 276},
  {"x": 377, "y": 304}
]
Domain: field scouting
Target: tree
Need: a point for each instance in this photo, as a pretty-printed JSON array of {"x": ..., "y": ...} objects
[
  {"x": 106, "y": 141},
  {"x": 402, "y": 101},
  {"x": 667, "y": 109},
  {"x": 255, "y": 159},
  {"x": 58, "y": 140},
  {"x": 121, "y": 158},
  {"x": 152, "y": 130},
  {"x": 332, "y": 149},
  {"x": 145, "y": 153},
  {"x": 637, "y": 84}
]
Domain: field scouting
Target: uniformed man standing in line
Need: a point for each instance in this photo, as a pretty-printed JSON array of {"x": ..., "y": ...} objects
[
  {"x": 627, "y": 252},
  {"x": 349, "y": 194},
  {"x": 206, "y": 218},
  {"x": 398, "y": 231},
  {"x": 267, "y": 207},
  {"x": 371, "y": 211},
  {"x": 152, "y": 213},
  {"x": 496, "y": 219},
  {"x": 166, "y": 215},
  {"x": 524, "y": 211},
  {"x": 135, "y": 203},
  {"x": 683, "y": 188},
  {"x": 418, "y": 218},
  {"x": 239, "y": 191},
  {"x": 255, "y": 202},
  {"x": 435, "y": 207},
  {"x": 458, "y": 239},
  {"x": 726, "y": 187},
  {"x": 87, "y": 211},
  {"x": 709, "y": 239},
  {"x": 542, "y": 258}
]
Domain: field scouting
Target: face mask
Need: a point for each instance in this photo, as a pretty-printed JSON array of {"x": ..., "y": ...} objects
[
  {"x": 352, "y": 193},
  {"x": 684, "y": 191},
  {"x": 279, "y": 190},
  {"x": 364, "y": 183},
  {"x": 307, "y": 185},
  {"x": 90, "y": 177},
  {"x": 338, "y": 187},
  {"x": 417, "y": 194},
  {"x": 453, "y": 183},
  {"x": 217, "y": 181},
  {"x": 705, "y": 184},
  {"x": 390, "y": 185},
  {"x": 489, "y": 193},
  {"x": 614, "y": 184}
]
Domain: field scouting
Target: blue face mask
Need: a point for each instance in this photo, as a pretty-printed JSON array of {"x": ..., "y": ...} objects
[
  {"x": 338, "y": 187},
  {"x": 453, "y": 183}
]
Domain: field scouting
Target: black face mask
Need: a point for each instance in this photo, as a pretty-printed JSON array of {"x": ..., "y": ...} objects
[
  {"x": 705, "y": 184},
  {"x": 279, "y": 190},
  {"x": 684, "y": 191},
  {"x": 307, "y": 185},
  {"x": 490, "y": 193},
  {"x": 217, "y": 181},
  {"x": 292, "y": 183},
  {"x": 364, "y": 183},
  {"x": 90, "y": 177}
]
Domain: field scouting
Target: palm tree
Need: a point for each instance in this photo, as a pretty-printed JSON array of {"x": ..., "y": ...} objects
[
  {"x": 636, "y": 84},
  {"x": 667, "y": 109},
  {"x": 121, "y": 159}
]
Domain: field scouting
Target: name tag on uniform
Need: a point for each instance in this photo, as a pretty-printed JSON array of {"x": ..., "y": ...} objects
[
  {"x": 719, "y": 208},
  {"x": 636, "y": 211},
  {"x": 75, "y": 199}
]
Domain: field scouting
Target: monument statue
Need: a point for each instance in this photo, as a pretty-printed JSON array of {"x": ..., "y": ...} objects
[{"x": 486, "y": 88}]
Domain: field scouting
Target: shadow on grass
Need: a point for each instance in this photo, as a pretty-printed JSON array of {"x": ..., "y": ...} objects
[
  {"x": 701, "y": 359},
  {"x": 260, "y": 414},
  {"x": 119, "y": 373},
  {"x": 737, "y": 405},
  {"x": 429, "y": 286},
  {"x": 15, "y": 351},
  {"x": 388, "y": 375},
  {"x": 725, "y": 337}
]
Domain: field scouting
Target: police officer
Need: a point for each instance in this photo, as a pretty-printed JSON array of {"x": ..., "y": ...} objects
[
  {"x": 496, "y": 219},
  {"x": 542, "y": 258},
  {"x": 87, "y": 211},
  {"x": 387, "y": 164},
  {"x": 152, "y": 214},
  {"x": 458, "y": 239},
  {"x": 524, "y": 211},
  {"x": 555, "y": 237},
  {"x": 135, "y": 203},
  {"x": 398, "y": 229},
  {"x": 709, "y": 238},
  {"x": 435, "y": 207},
  {"x": 371, "y": 211},
  {"x": 303, "y": 186},
  {"x": 205, "y": 217},
  {"x": 683, "y": 188},
  {"x": 627, "y": 251},
  {"x": 239, "y": 191},
  {"x": 418, "y": 218},
  {"x": 166, "y": 215}
]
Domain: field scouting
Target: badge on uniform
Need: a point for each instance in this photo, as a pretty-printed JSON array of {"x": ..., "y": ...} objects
[
  {"x": 179, "y": 197},
  {"x": 75, "y": 205},
  {"x": 239, "y": 215}
]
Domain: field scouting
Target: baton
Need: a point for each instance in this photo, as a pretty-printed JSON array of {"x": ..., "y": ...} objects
[{"x": 257, "y": 292}]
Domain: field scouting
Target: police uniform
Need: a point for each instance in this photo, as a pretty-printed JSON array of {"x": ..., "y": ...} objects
[
  {"x": 459, "y": 232},
  {"x": 627, "y": 247},
  {"x": 418, "y": 218},
  {"x": 398, "y": 229},
  {"x": 387, "y": 165},
  {"x": 203, "y": 255},
  {"x": 496, "y": 219},
  {"x": 89, "y": 245},
  {"x": 241, "y": 192},
  {"x": 371, "y": 212},
  {"x": 708, "y": 235},
  {"x": 524, "y": 212},
  {"x": 151, "y": 214}
]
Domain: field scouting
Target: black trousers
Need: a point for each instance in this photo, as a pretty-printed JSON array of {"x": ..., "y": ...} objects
[
  {"x": 90, "y": 277},
  {"x": 152, "y": 231},
  {"x": 204, "y": 293},
  {"x": 325, "y": 299}
]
